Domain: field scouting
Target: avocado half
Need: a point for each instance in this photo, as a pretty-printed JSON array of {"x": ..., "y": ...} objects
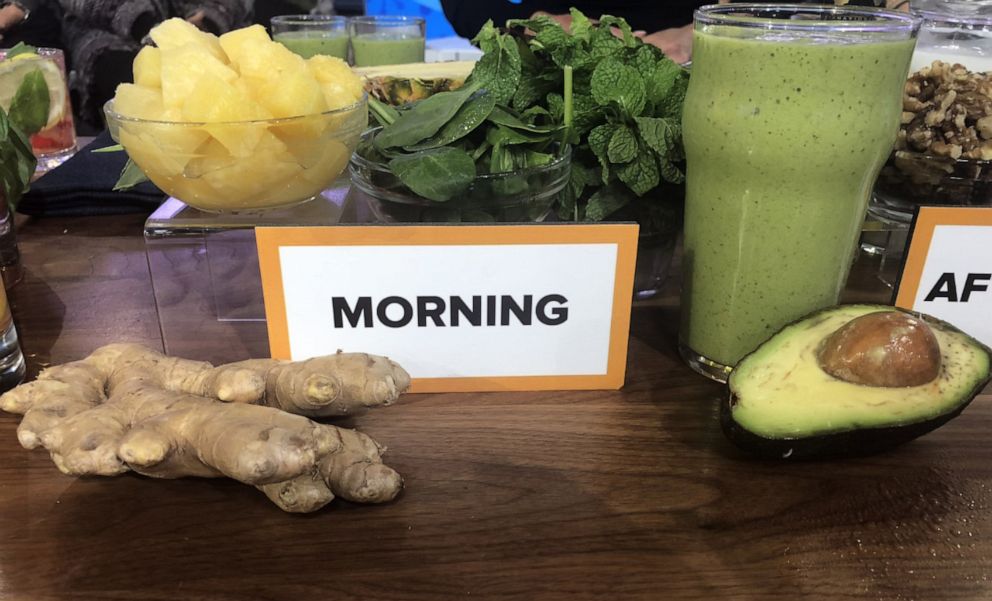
[{"x": 782, "y": 404}]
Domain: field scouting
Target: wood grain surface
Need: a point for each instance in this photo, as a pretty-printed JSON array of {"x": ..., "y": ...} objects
[{"x": 562, "y": 496}]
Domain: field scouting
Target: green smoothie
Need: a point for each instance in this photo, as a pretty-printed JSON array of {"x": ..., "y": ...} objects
[
  {"x": 783, "y": 140},
  {"x": 373, "y": 49},
  {"x": 308, "y": 44}
]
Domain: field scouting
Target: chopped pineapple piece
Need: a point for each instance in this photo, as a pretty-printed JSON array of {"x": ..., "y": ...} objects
[
  {"x": 241, "y": 43},
  {"x": 183, "y": 67},
  {"x": 296, "y": 94},
  {"x": 137, "y": 101},
  {"x": 148, "y": 67},
  {"x": 217, "y": 101},
  {"x": 175, "y": 33}
]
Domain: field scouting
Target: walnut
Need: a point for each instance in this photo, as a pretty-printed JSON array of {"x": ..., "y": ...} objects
[{"x": 947, "y": 111}]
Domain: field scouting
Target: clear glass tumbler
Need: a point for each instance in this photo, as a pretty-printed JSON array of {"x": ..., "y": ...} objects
[
  {"x": 56, "y": 141},
  {"x": 387, "y": 40},
  {"x": 309, "y": 35},
  {"x": 791, "y": 112}
]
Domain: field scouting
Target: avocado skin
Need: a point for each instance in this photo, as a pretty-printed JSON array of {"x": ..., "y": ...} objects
[{"x": 850, "y": 443}]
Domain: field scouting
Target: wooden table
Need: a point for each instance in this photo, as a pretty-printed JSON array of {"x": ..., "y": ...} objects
[{"x": 593, "y": 495}]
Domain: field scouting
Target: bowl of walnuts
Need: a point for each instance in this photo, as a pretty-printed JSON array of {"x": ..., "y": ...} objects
[{"x": 943, "y": 153}]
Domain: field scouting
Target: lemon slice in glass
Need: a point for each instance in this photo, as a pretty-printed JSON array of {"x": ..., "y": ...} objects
[{"x": 13, "y": 71}]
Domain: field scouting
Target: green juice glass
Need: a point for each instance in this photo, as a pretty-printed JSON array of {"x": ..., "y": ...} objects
[
  {"x": 387, "y": 40},
  {"x": 790, "y": 114},
  {"x": 310, "y": 35}
]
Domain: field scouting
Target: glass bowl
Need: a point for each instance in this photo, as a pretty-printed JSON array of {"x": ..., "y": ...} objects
[
  {"x": 515, "y": 196},
  {"x": 911, "y": 179},
  {"x": 243, "y": 165}
]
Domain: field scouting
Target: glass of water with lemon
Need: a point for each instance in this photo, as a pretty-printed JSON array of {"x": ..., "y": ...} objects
[{"x": 56, "y": 141}]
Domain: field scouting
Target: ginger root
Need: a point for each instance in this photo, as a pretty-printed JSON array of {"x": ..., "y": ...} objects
[{"x": 126, "y": 407}]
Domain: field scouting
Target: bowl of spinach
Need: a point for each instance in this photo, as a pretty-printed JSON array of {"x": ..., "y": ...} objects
[{"x": 461, "y": 156}]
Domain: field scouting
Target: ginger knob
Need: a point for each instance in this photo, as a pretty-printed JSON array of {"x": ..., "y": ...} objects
[{"x": 889, "y": 348}]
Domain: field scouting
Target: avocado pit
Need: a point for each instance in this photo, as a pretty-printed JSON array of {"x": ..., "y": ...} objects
[{"x": 890, "y": 349}]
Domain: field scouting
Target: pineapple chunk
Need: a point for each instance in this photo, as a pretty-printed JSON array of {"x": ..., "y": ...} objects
[
  {"x": 148, "y": 67},
  {"x": 332, "y": 161},
  {"x": 241, "y": 43},
  {"x": 175, "y": 33},
  {"x": 183, "y": 67},
  {"x": 138, "y": 101},
  {"x": 337, "y": 96},
  {"x": 332, "y": 70},
  {"x": 264, "y": 65},
  {"x": 254, "y": 177},
  {"x": 215, "y": 101},
  {"x": 296, "y": 93}
]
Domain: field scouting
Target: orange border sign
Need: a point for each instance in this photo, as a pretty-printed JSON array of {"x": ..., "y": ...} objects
[
  {"x": 624, "y": 235},
  {"x": 926, "y": 222}
]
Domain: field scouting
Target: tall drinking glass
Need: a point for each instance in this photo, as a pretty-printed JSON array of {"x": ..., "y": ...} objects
[
  {"x": 309, "y": 35},
  {"x": 790, "y": 114}
]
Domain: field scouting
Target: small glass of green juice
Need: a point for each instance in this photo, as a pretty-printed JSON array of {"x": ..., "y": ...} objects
[
  {"x": 386, "y": 40},
  {"x": 790, "y": 114},
  {"x": 309, "y": 35}
]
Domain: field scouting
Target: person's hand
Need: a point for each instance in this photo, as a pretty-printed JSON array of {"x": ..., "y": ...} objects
[
  {"x": 676, "y": 42},
  {"x": 10, "y": 15}
]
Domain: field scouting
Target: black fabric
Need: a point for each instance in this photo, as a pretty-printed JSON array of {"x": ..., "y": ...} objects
[
  {"x": 84, "y": 184},
  {"x": 43, "y": 27},
  {"x": 468, "y": 16}
]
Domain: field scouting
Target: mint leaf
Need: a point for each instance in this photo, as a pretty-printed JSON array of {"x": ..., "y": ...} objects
[
  {"x": 131, "y": 176},
  {"x": 623, "y": 145},
  {"x": 19, "y": 48},
  {"x": 615, "y": 82},
  {"x": 499, "y": 68},
  {"x": 605, "y": 202},
  {"x": 667, "y": 87},
  {"x": 17, "y": 162},
  {"x": 114, "y": 148},
  {"x": 599, "y": 144},
  {"x": 29, "y": 108},
  {"x": 660, "y": 134},
  {"x": 437, "y": 174},
  {"x": 581, "y": 25},
  {"x": 608, "y": 22},
  {"x": 670, "y": 172},
  {"x": 641, "y": 174}
]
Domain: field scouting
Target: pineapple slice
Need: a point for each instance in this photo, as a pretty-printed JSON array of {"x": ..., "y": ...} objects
[
  {"x": 138, "y": 101},
  {"x": 148, "y": 67},
  {"x": 176, "y": 33},
  {"x": 183, "y": 67},
  {"x": 252, "y": 178},
  {"x": 241, "y": 43}
]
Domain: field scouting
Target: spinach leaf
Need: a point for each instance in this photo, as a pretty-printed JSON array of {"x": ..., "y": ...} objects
[
  {"x": 437, "y": 174},
  {"x": 504, "y": 136},
  {"x": 470, "y": 116},
  {"x": 424, "y": 119},
  {"x": 29, "y": 107},
  {"x": 504, "y": 117}
]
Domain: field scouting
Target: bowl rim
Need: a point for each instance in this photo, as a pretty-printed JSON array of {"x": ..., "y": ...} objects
[
  {"x": 111, "y": 114},
  {"x": 565, "y": 158}
]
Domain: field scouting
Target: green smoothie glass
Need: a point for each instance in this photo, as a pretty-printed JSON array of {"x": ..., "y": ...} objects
[
  {"x": 387, "y": 40},
  {"x": 310, "y": 35},
  {"x": 790, "y": 114}
]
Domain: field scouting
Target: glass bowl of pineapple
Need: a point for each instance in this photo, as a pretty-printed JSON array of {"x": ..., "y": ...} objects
[{"x": 237, "y": 123}]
